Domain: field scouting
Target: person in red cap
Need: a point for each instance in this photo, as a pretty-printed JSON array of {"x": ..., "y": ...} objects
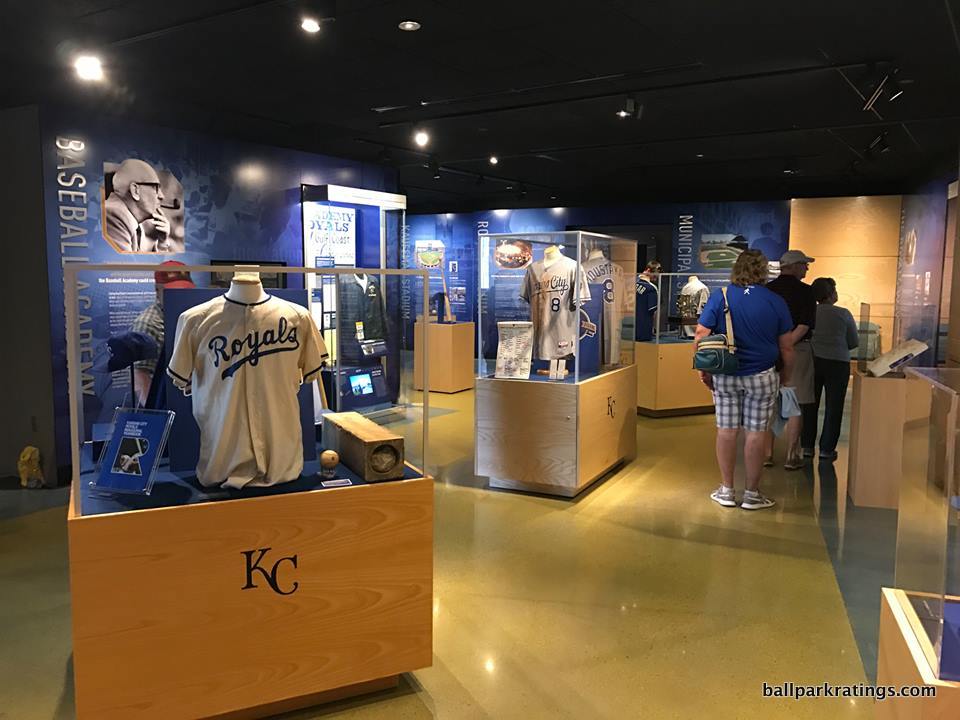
[{"x": 150, "y": 322}]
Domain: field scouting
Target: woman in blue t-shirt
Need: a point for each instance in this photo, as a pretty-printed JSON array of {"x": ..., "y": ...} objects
[{"x": 762, "y": 333}]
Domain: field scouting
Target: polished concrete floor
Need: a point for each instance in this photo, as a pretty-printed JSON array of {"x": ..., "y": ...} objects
[{"x": 641, "y": 598}]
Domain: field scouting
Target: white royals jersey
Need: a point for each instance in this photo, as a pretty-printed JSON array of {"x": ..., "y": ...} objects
[
  {"x": 243, "y": 365},
  {"x": 553, "y": 310},
  {"x": 616, "y": 303}
]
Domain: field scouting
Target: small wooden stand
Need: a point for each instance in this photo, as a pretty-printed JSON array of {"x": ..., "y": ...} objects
[
  {"x": 450, "y": 356},
  {"x": 554, "y": 437},
  {"x": 246, "y": 608},
  {"x": 666, "y": 382},
  {"x": 876, "y": 440},
  {"x": 903, "y": 660}
]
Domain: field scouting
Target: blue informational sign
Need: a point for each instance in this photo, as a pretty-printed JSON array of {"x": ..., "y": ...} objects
[{"x": 129, "y": 461}]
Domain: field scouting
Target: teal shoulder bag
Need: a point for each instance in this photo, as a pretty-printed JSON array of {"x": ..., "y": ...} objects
[{"x": 717, "y": 354}]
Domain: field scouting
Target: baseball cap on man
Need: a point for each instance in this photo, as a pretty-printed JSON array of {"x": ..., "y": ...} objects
[
  {"x": 791, "y": 257},
  {"x": 173, "y": 278}
]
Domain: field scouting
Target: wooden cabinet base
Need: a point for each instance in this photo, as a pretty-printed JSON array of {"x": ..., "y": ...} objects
[
  {"x": 553, "y": 437},
  {"x": 877, "y": 415},
  {"x": 450, "y": 356},
  {"x": 307, "y": 701},
  {"x": 902, "y": 660},
  {"x": 666, "y": 383},
  {"x": 242, "y": 608}
]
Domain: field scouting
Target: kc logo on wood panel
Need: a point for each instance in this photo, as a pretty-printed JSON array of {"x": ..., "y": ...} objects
[{"x": 269, "y": 575}]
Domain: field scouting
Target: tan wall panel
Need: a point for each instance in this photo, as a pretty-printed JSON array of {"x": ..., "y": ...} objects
[
  {"x": 859, "y": 279},
  {"x": 848, "y": 226}
]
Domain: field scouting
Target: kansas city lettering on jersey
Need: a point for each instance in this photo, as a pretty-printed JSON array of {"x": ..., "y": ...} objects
[
  {"x": 254, "y": 345},
  {"x": 555, "y": 283}
]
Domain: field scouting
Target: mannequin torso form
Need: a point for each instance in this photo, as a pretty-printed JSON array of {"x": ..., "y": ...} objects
[
  {"x": 551, "y": 255},
  {"x": 362, "y": 281},
  {"x": 246, "y": 288}
]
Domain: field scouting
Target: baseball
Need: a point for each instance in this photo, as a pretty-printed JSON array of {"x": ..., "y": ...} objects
[{"x": 329, "y": 459}]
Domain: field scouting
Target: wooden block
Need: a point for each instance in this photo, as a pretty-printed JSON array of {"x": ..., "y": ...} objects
[
  {"x": 902, "y": 659},
  {"x": 370, "y": 450},
  {"x": 171, "y": 623}
]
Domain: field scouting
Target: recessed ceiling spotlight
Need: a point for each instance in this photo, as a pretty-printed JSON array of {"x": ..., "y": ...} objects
[
  {"x": 630, "y": 108},
  {"x": 88, "y": 67},
  {"x": 622, "y": 114},
  {"x": 421, "y": 138},
  {"x": 409, "y": 26},
  {"x": 494, "y": 160},
  {"x": 310, "y": 25},
  {"x": 700, "y": 155}
]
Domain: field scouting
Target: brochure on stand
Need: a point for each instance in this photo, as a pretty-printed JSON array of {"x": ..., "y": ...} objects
[{"x": 128, "y": 463}]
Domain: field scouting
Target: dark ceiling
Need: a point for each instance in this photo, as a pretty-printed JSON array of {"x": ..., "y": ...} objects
[{"x": 749, "y": 99}]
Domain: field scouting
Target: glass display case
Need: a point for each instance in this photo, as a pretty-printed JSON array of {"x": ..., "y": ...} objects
[
  {"x": 669, "y": 304},
  {"x": 555, "y": 305},
  {"x": 209, "y": 489},
  {"x": 235, "y": 378},
  {"x": 556, "y": 384},
  {"x": 928, "y": 544},
  {"x": 668, "y": 308}
]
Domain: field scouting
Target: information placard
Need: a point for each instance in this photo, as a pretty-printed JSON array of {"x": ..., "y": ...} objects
[
  {"x": 128, "y": 463},
  {"x": 515, "y": 349}
]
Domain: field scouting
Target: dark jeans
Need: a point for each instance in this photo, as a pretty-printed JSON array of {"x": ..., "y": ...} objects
[{"x": 830, "y": 378}]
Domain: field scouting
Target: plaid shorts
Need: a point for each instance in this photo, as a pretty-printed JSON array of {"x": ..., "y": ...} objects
[{"x": 746, "y": 401}]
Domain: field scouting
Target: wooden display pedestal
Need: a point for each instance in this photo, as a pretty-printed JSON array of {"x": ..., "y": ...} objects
[
  {"x": 554, "y": 437},
  {"x": 876, "y": 440},
  {"x": 450, "y": 359},
  {"x": 247, "y": 608},
  {"x": 666, "y": 382},
  {"x": 903, "y": 660}
]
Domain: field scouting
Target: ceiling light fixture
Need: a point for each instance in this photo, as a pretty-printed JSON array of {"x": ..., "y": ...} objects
[
  {"x": 435, "y": 169},
  {"x": 409, "y": 26},
  {"x": 310, "y": 25},
  {"x": 631, "y": 108},
  {"x": 421, "y": 138},
  {"x": 790, "y": 168},
  {"x": 700, "y": 156},
  {"x": 895, "y": 85},
  {"x": 88, "y": 68},
  {"x": 494, "y": 160}
]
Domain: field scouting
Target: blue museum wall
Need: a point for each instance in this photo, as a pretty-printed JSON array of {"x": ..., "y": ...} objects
[
  {"x": 701, "y": 231},
  {"x": 923, "y": 225},
  {"x": 238, "y": 202}
]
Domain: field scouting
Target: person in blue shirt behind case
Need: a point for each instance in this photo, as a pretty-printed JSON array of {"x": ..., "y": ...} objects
[
  {"x": 762, "y": 329},
  {"x": 648, "y": 301}
]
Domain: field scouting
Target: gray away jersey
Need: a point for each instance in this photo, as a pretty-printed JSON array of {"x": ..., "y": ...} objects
[
  {"x": 243, "y": 365},
  {"x": 556, "y": 318},
  {"x": 601, "y": 271}
]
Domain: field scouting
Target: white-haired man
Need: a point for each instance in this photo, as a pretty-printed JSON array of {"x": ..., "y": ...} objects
[{"x": 136, "y": 197}]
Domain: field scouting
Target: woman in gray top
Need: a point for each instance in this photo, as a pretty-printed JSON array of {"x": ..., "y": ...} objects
[{"x": 834, "y": 336}]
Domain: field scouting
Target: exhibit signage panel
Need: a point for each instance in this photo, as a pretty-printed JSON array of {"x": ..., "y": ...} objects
[{"x": 116, "y": 191}]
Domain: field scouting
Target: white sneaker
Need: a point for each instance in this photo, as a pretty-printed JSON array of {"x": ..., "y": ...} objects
[
  {"x": 753, "y": 500},
  {"x": 724, "y": 496}
]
